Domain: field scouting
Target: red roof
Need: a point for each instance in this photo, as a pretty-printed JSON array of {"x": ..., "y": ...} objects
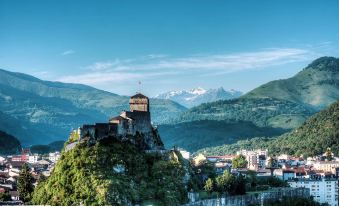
[{"x": 222, "y": 157}]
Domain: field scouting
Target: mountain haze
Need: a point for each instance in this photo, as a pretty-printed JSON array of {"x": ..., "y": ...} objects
[{"x": 39, "y": 112}]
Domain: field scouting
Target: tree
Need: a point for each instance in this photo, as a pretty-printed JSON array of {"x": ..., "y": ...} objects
[
  {"x": 209, "y": 185},
  {"x": 5, "y": 196},
  {"x": 239, "y": 186},
  {"x": 329, "y": 154},
  {"x": 25, "y": 184},
  {"x": 239, "y": 162},
  {"x": 224, "y": 182}
]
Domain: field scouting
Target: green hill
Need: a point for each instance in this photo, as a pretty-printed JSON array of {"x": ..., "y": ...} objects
[
  {"x": 39, "y": 112},
  {"x": 8, "y": 144},
  {"x": 281, "y": 103},
  {"x": 112, "y": 172},
  {"x": 312, "y": 138},
  {"x": 199, "y": 134},
  {"x": 316, "y": 85}
]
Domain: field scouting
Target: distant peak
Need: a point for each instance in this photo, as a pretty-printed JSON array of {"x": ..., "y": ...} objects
[
  {"x": 198, "y": 91},
  {"x": 325, "y": 63}
]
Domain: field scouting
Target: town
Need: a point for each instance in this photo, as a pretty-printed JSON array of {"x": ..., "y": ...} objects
[
  {"x": 318, "y": 175},
  {"x": 39, "y": 165}
]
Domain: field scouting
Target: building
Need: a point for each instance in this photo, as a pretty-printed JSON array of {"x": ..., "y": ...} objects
[
  {"x": 137, "y": 121},
  {"x": 327, "y": 166},
  {"x": 199, "y": 159},
  {"x": 324, "y": 189},
  {"x": 33, "y": 158},
  {"x": 185, "y": 154},
  {"x": 223, "y": 158},
  {"x": 54, "y": 156},
  {"x": 255, "y": 159}
]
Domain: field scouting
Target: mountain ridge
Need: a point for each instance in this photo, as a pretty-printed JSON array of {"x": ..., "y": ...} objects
[
  {"x": 280, "y": 104},
  {"x": 194, "y": 97},
  {"x": 44, "y": 111},
  {"x": 312, "y": 138}
]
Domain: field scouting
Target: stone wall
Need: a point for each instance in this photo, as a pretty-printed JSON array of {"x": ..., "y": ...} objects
[{"x": 259, "y": 198}]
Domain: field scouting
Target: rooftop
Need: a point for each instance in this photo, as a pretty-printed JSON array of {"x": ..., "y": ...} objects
[{"x": 138, "y": 96}]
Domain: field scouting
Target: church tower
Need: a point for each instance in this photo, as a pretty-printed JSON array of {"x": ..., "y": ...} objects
[{"x": 139, "y": 102}]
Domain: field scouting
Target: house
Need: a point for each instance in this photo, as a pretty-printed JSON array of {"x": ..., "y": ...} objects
[
  {"x": 256, "y": 159},
  {"x": 33, "y": 158},
  {"x": 327, "y": 166},
  {"x": 54, "y": 156}
]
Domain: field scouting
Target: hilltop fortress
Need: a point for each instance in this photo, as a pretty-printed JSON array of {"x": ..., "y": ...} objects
[{"x": 128, "y": 125}]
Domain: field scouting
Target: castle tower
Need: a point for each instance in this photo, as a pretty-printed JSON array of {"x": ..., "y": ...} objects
[{"x": 139, "y": 102}]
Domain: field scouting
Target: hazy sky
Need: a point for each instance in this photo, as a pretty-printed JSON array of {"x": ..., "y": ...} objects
[{"x": 167, "y": 45}]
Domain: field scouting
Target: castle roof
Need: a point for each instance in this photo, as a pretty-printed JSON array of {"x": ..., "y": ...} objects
[{"x": 139, "y": 96}]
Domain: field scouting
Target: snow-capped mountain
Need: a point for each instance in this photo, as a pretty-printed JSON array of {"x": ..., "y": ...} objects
[{"x": 194, "y": 97}]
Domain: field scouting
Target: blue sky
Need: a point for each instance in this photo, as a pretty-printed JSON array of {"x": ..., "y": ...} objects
[{"x": 167, "y": 45}]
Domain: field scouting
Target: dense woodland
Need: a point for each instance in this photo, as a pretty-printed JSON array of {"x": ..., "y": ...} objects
[
  {"x": 9, "y": 144},
  {"x": 312, "y": 138}
]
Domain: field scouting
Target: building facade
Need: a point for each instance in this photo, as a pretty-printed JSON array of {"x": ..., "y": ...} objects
[{"x": 323, "y": 189}]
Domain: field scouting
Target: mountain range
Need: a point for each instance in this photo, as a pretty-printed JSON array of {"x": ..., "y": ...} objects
[
  {"x": 278, "y": 106},
  {"x": 39, "y": 112},
  {"x": 313, "y": 137},
  {"x": 194, "y": 97}
]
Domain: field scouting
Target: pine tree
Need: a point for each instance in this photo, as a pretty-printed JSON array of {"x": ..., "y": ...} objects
[
  {"x": 209, "y": 185},
  {"x": 25, "y": 184}
]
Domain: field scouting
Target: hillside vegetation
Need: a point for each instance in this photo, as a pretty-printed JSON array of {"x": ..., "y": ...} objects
[
  {"x": 281, "y": 103},
  {"x": 114, "y": 173},
  {"x": 39, "y": 112},
  {"x": 316, "y": 85},
  {"x": 8, "y": 144},
  {"x": 199, "y": 134},
  {"x": 312, "y": 138}
]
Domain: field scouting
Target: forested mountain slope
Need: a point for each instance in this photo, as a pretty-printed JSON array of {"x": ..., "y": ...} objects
[
  {"x": 281, "y": 103},
  {"x": 312, "y": 138},
  {"x": 277, "y": 106},
  {"x": 39, "y": 112}
]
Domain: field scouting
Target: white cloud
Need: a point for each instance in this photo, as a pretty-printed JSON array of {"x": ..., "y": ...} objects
[
  {"x": 67, "y": 52},
  {"x": 162, "y": 66}
]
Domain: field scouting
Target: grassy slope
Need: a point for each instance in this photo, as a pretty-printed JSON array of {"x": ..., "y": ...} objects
[
  {"x": 312, "y": 138},
  {"x": 316, "y": 85}
]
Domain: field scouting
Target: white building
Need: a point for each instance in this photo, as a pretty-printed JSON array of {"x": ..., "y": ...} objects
[
  {"x": 323, "y": 190},
  {"x": 54, "y": 156},
  {"x": 255, "y": 159},
  {"x": 326, "y": 166},
  {"x": 33, "y": 158},
  {"x": 185, "y": 154}
]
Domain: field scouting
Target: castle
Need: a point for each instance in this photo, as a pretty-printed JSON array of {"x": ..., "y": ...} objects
[{"x": 137, "y": 121}]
